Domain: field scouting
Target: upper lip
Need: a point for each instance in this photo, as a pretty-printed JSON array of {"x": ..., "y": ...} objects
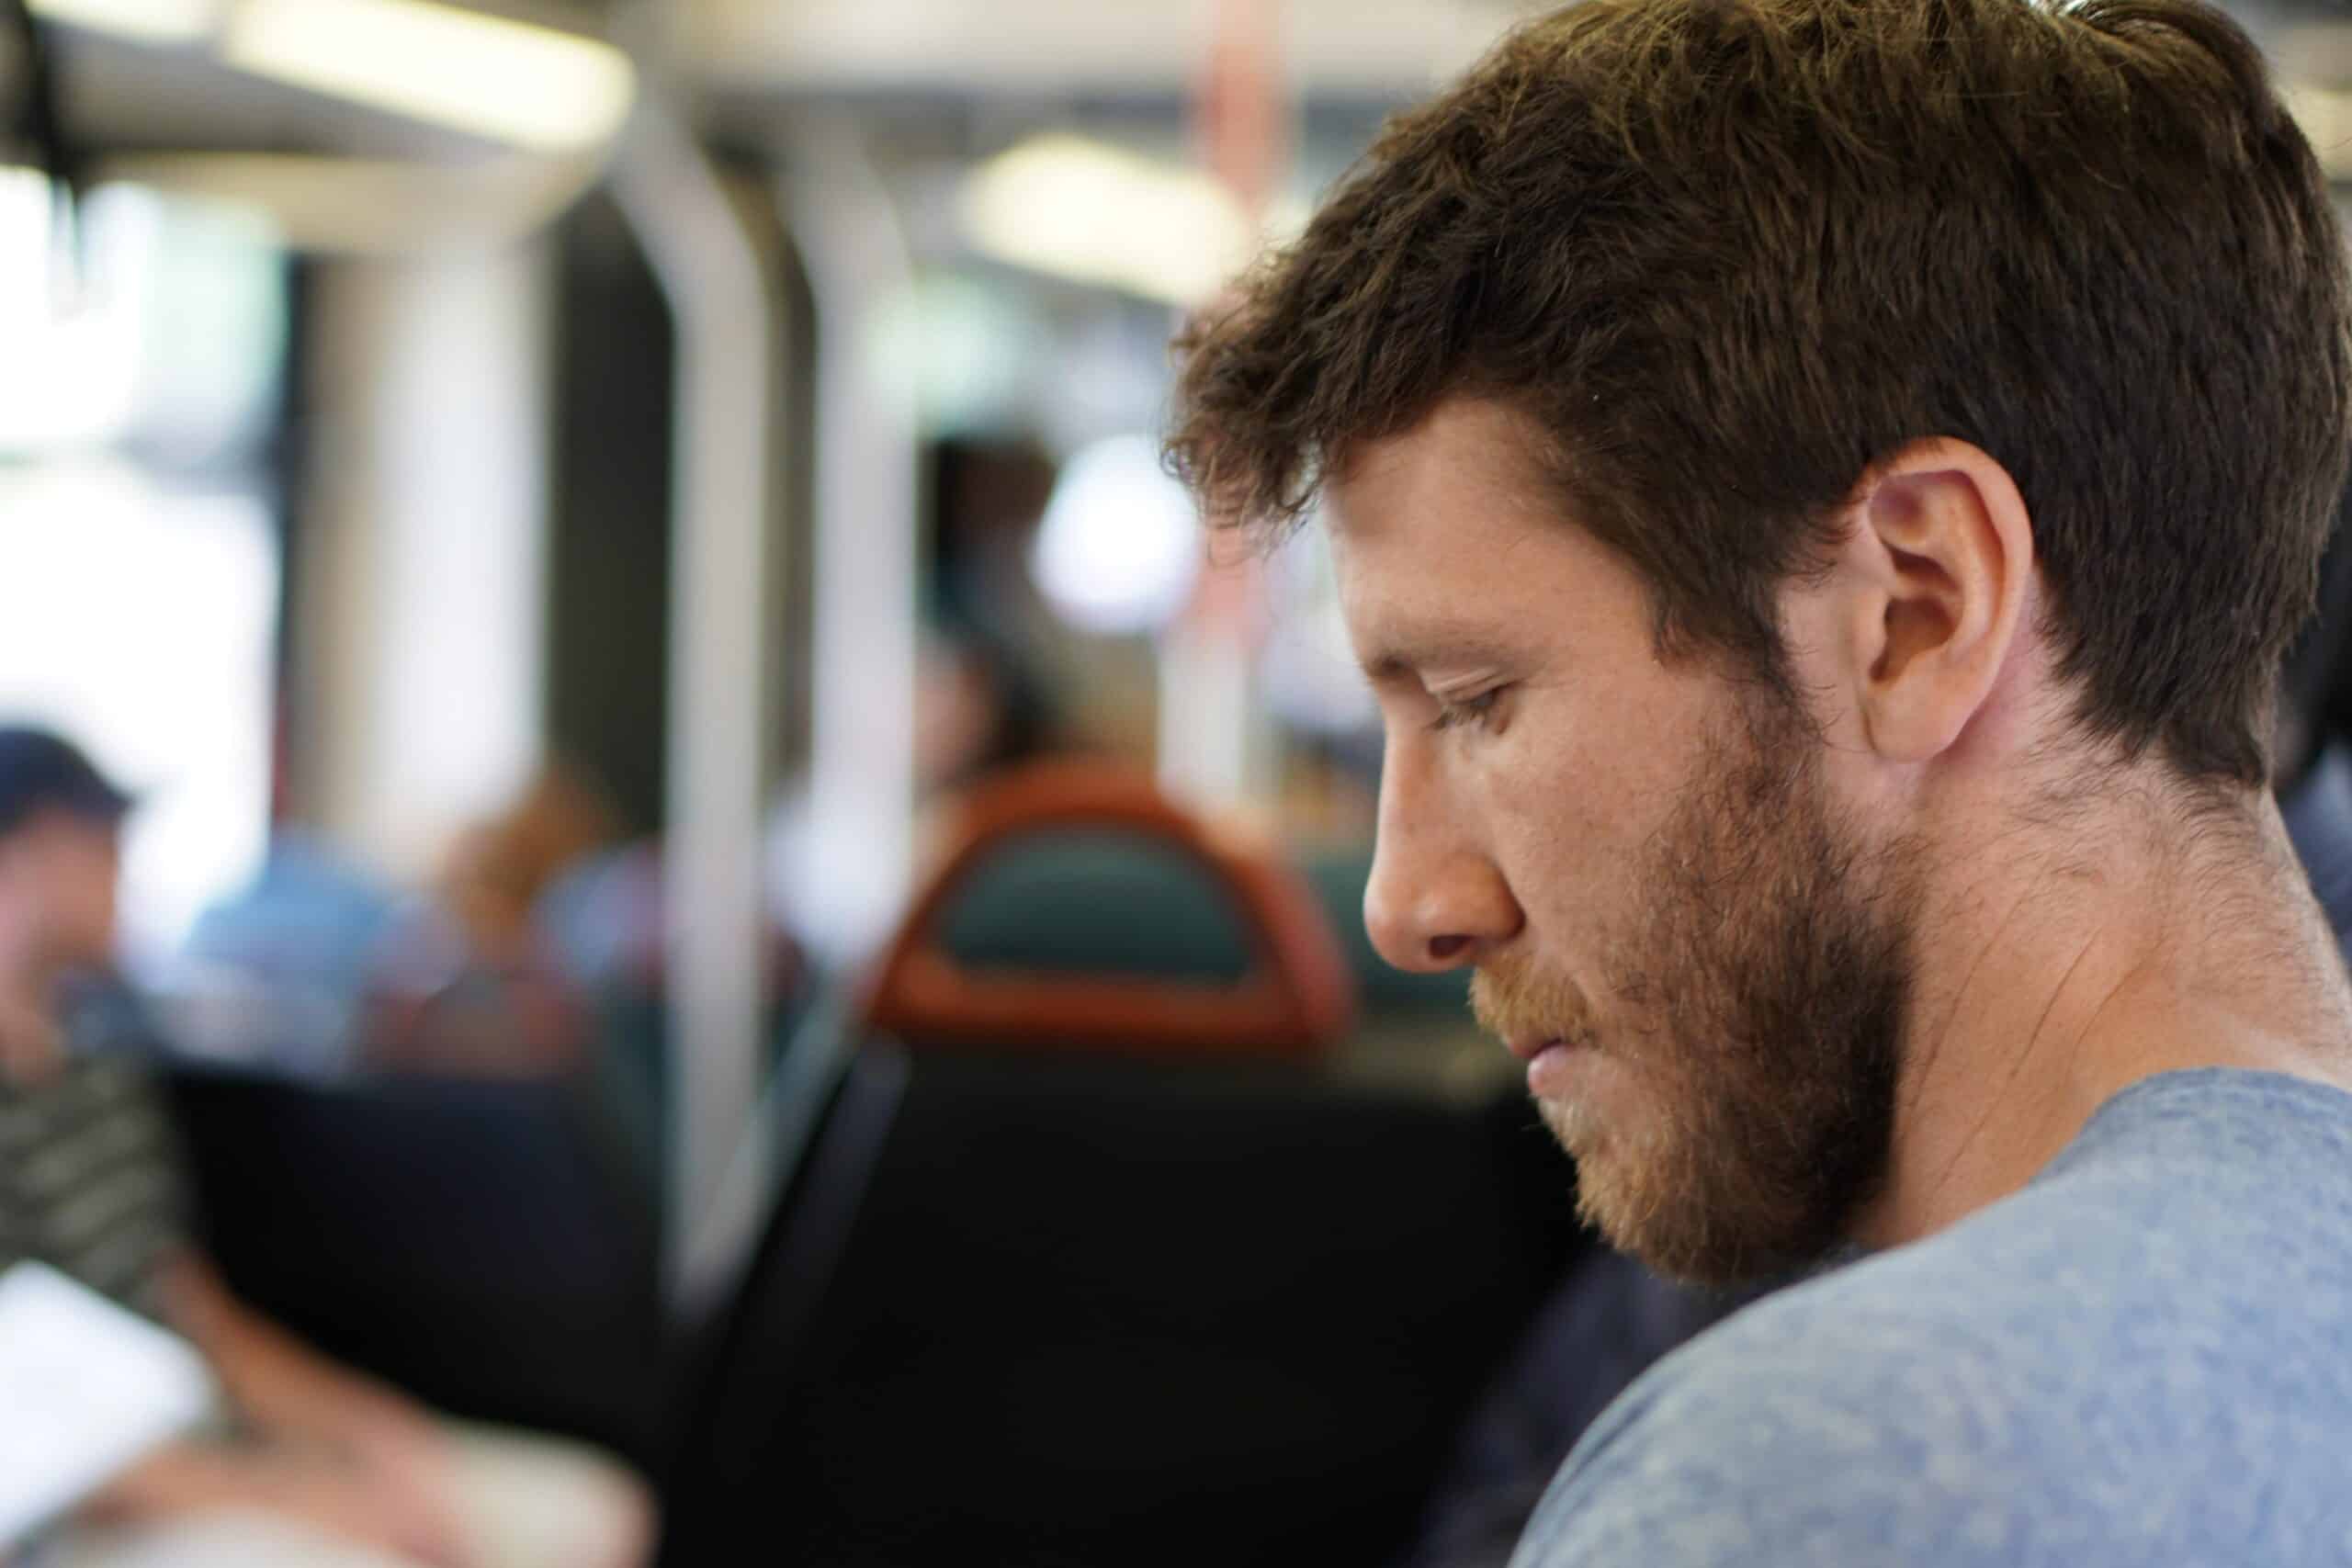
[{"x": 1527, "y": 1047}]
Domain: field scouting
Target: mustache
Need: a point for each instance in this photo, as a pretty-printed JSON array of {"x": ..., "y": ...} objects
[{"x": 1514, "y": 996}]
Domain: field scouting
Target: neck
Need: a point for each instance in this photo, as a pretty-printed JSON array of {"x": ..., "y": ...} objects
[{"x": 2063, "y": 975}]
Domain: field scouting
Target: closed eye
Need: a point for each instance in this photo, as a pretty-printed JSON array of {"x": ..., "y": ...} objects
[{"x": 1477, "y": 711}]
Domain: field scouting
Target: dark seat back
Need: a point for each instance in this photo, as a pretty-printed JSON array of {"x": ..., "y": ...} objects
[
  {"x": 1112, "y": 1312},
  {"x": 480, "y": 1244},
  {"x": 1109, "y": 1267}
]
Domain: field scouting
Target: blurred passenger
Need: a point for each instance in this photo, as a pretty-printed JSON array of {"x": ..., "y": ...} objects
[
  {"x": 309, "y": 1462},
  {"x": 311, "y": 915},
  {"x": 466, "y": 985},
  {"x": 980, "y": 708},
  {"x": 988, "y": 496},
  {"x": 497, "y": 871},
  {"x": 278, "y": 974},
  {"x": 60, "y": 864}
]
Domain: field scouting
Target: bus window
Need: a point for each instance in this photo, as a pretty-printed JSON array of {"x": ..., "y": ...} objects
[{"x": 139, "y": 608}]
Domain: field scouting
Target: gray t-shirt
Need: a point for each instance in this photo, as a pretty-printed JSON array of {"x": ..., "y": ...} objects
[{"x": 2142, "y": 1360}]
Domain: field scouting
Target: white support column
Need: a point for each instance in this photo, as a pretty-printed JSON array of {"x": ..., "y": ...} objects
[
  {"x": 728, "y": 348},
  {"x": 867, "y": 573},
  {"x": 423, "y": 584}
]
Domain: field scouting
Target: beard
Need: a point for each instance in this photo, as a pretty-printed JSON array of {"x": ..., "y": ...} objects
[{"x": 1750, "y": 1043}]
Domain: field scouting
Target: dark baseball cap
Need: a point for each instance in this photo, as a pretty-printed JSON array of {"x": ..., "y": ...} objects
[{"x": 41, "y": 771}]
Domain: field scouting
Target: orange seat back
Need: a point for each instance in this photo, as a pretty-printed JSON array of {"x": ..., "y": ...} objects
[{"x": 1297, "y": 1000}]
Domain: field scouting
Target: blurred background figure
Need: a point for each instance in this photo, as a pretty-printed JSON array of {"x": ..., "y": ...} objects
[
  {"x": 466, "y": 982},
  {"x": 281, "y": 971},
  {"x": 312, "y": 1463},
  {"x": 60, "y": 861},
  {"x": 496, "y": 872}
]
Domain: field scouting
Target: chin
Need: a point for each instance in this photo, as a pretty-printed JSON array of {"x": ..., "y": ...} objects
[
  {"x": 1593, "y": 1101},
  {"x": 1621, "y": 1148},
  {"x": 1652, "y": 1183}
]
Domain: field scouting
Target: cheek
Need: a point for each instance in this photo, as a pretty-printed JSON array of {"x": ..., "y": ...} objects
[
  {"x": 1574, "y": 798},
  {"x": 1557, "y": 806}
]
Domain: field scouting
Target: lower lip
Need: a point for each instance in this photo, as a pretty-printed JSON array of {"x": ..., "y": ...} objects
[{"x": 1550, "y": 1069}]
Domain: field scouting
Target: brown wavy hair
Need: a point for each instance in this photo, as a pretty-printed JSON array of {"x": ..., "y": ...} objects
[{"x": 1724, "y": 255}]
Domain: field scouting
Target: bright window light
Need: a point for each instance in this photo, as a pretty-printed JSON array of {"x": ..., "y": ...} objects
[
  {"x": 167, "y": 333},
  {"x": 532, "y": 87},
  {"x": 1095, "y": 214},
  {"x": 151, "y": 21},
  {"x": 1121, "y": 543},
  {"x": 141, "y": 619}
]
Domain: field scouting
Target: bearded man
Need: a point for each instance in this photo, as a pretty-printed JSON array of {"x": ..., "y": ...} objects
[{"x": 1822, "y": 490}]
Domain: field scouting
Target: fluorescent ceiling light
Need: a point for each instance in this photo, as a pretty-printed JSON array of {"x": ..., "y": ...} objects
[
  {"x": 533, "y": 87},
  {"x": 368, "y": 206},
  {"x": 1096, "y": 214},
  {"x": 151, "y": 21}
]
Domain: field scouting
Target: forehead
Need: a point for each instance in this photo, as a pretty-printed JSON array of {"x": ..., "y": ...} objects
[
  {"x": 1448, "y": 532},
  {"x": 1466, "y": 455}
]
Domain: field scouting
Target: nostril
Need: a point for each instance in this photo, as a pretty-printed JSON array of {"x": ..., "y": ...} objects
[{"x": 1444, "y": 948}]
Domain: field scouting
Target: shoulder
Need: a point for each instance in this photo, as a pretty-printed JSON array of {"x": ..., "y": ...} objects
[
  {"x": 2063, "y": 1368},
  {"x": 1830, "y": 1424},
  {"x": 2087, "y": 1362}
]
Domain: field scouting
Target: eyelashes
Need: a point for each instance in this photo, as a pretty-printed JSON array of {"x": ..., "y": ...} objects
[{"x": 1476, "y": 713}]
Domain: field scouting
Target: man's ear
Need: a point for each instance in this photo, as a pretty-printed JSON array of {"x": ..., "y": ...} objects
[{"x": 1938, "y": 562}]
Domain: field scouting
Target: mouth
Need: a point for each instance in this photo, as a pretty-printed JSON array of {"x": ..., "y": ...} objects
[
  {"x": 1556, "y": 1064},
  {"x": 1527, "y": 1047}
]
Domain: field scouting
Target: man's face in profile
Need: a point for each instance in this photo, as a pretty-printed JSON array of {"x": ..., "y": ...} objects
[{"x": 1703, "y": 958}]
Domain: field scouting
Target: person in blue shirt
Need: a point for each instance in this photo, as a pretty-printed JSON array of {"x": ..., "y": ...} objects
[{"x": 1822, "y": 491}]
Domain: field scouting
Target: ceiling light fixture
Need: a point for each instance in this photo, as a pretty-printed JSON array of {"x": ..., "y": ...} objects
[
  {"x": 150, "y": 21},
  {"x": 1093, "y": 213},
  {"x": 532, "y": 87}
]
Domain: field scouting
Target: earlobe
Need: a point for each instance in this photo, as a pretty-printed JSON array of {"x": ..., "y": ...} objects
[{"x": 1949, "y": 549}]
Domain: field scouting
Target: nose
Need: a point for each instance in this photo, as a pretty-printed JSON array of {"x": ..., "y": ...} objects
[{"x": 1436, "y": 900}]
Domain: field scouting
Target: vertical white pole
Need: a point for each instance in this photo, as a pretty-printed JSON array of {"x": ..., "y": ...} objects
[
  {"x": 862, "y": 764},
  {"x": 728, "y": 348},
  {"x": 423, "y": 614}
]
